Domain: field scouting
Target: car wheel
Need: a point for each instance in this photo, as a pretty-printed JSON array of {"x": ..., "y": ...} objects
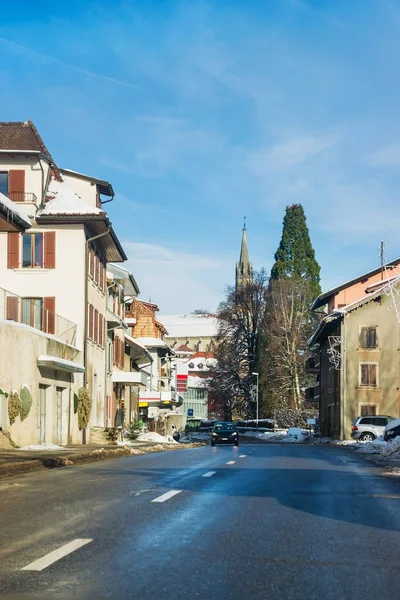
[
  {"x": 213, "y": 444},
  {"x": 367, "y": 437},
  {"x": 237, "y": 443}
]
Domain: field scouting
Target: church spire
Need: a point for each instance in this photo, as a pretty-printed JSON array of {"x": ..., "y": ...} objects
[{"x": 244, "y": 269}]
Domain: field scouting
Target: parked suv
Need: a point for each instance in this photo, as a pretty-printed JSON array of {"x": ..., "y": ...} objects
[{"x": 369, "y": 428}]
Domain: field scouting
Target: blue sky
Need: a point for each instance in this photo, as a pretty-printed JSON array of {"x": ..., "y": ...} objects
[{"x": 201, "y": 112}]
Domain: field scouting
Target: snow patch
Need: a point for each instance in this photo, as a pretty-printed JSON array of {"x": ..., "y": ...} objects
[
  {"x": 64, "y": 201},
  {"x": 151, "y": 436},
  {"x": 42, "y": 447}
]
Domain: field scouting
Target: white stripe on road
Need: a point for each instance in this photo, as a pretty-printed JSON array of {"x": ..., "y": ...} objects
[
  {"x": 166, "y": 496},
  {"x": 231, "y": 462},
  {"x": 209, "y": 474},
  {"x": 242, "y": 455},
  {"x": 52, "y": 557}
]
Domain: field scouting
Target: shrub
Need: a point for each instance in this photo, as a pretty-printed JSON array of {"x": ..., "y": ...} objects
[
  {"x": 14, "y": 406},
  {"x": 76, "y": 402},
  {"x": 132, "y": 430},
  {"x": 84, "y": 408},
  {"x": 26, "y": 402},
  {"x": 3, "y": 393}
]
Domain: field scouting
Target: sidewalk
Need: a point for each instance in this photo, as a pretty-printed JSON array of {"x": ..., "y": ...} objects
[{"x": 16, "y": 462}]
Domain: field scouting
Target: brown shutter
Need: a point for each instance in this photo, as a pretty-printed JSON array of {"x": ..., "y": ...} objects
[
  {"x": 101, "y": 275},
  {"x": 91, "y": 263},
  {"x": 101, "y": 330},
  {"x": 90, "y": 321},
  {"x": 122, "y": 358},
  {"x": 364, "y": 337},
  {"x": 12, "y": 308},
  {"x": 50, "y": 250},
  {"x": 96, "y": 326},
  {"x": 13, "y": 251},
  {"x": 49, "y": 317},
  {"x": 372, "y": 375},
  {"x": 16, "y": 185},
  {"x": 96, "y": 268}
]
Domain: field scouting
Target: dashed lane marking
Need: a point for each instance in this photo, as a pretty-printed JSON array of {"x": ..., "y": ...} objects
[
  {"x": 231, "y": 462},
  {"x": 52, "y": 557},
  {"x": 167, "y": 496},
  {"x": 242, "y": 455},
  {"x": 209, "y": 474},
  {"x": 387, "y": 496}
]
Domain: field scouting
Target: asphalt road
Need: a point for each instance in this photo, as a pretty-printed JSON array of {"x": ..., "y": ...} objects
[{"x": 259, "y": 521}]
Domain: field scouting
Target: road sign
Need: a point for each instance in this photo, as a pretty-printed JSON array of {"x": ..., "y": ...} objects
[
  {"x": 190, "y": 412},
  {"x": 310, "y": 421}
]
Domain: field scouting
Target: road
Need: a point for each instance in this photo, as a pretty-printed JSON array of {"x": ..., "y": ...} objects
[{"x": 259, "y": 521}]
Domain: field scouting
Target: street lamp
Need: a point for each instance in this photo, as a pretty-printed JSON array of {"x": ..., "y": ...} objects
[{"x": 256, "y": 374}]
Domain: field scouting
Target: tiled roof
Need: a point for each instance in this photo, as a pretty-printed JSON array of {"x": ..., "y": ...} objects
[{"x": 17, "y": 135}]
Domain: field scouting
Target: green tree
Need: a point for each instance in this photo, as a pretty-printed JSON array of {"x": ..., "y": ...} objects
[{"x": 295, "y": 256}]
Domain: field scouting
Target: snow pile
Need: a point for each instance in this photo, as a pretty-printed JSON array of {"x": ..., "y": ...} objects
[
  {"x": 14, "y": 209},
  {"x": 151, "y": 436},
  {"x": 392, "y": 448},
  {"x": 42, "y": 447},
  {"x": 64, "y": 201},
  {"x": 376, "y": 447}
]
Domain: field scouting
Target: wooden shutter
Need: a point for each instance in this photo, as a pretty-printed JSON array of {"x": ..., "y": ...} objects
[
  {"x": 16, "y": 185},
  {"x": 101, "y": 275},
  {"x": 122, "y": 357},
  {"x": 90, "y": 321},
  {"x": 12, "y": 308},
  {"x": 364, "y": 337},
  {"x": 364, "y": 374},
  {"x": 91, "y": 262},
  {"x": 50, "y": 250},
  {"x": 371, "y": 337},
  {"x": 49, "y": 317},
  {"x": 13, "y": 251},
  {"x": 101, "y": 330},
  {"x": 372, "y": 375},
  {"x": 96, "y": 268},
  {"x": 96, "y": 326}
]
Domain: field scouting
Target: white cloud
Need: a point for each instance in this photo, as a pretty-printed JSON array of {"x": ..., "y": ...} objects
[
  {"x": 293, "y": 152},
  {"x": 385, "y": 157},
  {"x": 178, "y": 281}
]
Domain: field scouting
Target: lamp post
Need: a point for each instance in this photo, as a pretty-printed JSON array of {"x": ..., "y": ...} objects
[{"x": 256, "y": 374}]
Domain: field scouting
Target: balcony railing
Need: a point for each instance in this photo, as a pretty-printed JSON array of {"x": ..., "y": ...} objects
[
  {"x": 22, "y": 197},
  {"x": 34, "y": 313}
]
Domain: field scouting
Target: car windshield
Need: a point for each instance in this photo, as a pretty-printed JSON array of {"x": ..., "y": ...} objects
[{"x": 224, "y": 426}]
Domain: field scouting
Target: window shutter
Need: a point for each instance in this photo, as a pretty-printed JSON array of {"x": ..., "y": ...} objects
[
  {"x": 12, "y": 308},
  {"x": 364, "y": 337},
  {"x": 101, "y": 275},
  {"x": 364, "y": 374},
  {"x": 96, "y": 268},
  {"x": 96, "y": 326},
  {"x": 91, "y": 262},
  {"x": 372, "y": 337},
  {"x": 90, "y": 321},
  {"x": 16, "y": 185},
  {"x": 50, "y": 250},
  {"x": 372, "y": 375},
  {"x": 13, "y": 251},
  {"x": 49, "y": 317},
  {"x": 101, "y": 330},
  {"x": 122, "y": 358}
]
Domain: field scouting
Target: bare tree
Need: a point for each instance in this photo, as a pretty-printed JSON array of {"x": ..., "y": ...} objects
[
  {"x": 240, "y": 318},
  {"x": 287, "y": 326}
]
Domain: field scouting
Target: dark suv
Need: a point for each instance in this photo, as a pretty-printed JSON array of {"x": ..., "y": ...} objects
[
  {"x": 224, "y": 433},
  {"x": 369, "y": 428}
]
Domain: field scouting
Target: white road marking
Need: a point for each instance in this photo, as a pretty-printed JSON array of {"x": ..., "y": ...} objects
[
  {"x": 242, "y": 455},
  {"x": 209, "y": 474},
  {"x": 52, "y": 557},
  {"x": 166, "y": 496},
  {"x": 231, "y": 462}
]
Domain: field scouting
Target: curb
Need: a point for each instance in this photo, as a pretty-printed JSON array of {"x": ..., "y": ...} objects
[{"x": 68, "y": 460}]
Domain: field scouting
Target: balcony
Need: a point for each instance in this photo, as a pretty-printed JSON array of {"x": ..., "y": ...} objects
[
  {"x": 34, "y": 313},
  {"x": 22, "y": 197},
  {"x": 312, "y": 364}
]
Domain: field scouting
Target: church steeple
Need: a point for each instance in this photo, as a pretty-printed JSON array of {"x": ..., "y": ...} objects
[{"x": 244, "y": 269}]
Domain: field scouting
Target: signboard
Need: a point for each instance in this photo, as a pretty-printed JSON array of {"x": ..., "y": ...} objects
[
  {"x": 311, "y": 421},
  {"x": 181, "y": 377},
  {"x": 190, "y": 412}
]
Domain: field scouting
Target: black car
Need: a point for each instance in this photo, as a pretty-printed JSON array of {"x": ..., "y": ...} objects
[
  {"x": 224, "y": 433},
  {"x": 392, "y": 430}
]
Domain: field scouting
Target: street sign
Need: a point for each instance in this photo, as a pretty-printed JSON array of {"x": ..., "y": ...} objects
[
  {"x": 190, "y": 412},
  {"x": 310, "y": 421}
]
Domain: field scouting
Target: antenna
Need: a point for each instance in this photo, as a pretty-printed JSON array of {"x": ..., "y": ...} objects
[
  {"x": 382, "y": 253},
  {"x": 244, "y": 224}
]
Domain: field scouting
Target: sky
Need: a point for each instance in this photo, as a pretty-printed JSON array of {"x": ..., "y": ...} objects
[{"x": 201, "y": 112}]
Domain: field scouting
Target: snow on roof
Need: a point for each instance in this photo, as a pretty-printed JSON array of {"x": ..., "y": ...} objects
[
  {"x": 151, "y": 341},
  {"x": 64, "y": 201},
  {"x": 14, "y": 209},
  {"x": 190, "y": 325}
]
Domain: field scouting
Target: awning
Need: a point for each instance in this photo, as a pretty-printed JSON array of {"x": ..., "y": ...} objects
[
  {"x": 138, "y": 353},
  {"x": 54, "y": 362},
  {"x": 129, "y": 377}
]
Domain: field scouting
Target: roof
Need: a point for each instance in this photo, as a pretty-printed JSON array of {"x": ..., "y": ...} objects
[
  {"x": 13, "y": 213},
  {"x": 126, "y": 278},
  {"x": 105, "y": 187},
  {"x": 23, "y": 136},
  {"x": 324, "y": 298},
  {"x": 204, "y": 325},
  {"x": 153, "y": 342},
  {"x": 62, "y": 200},
  {"x": 184, "y": 348},
  {"x": 140, "y": 351},
  {"x": 339, "y": 313}
]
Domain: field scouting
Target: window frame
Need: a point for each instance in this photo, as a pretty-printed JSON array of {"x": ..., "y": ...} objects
[
  {"x": 33, "y": 236},
  {"x": 33, "y": 306},
  {"x": 362, "y": 385},
  {"x": 369, "y": 329},
  {"x": 6, "y": 173}
]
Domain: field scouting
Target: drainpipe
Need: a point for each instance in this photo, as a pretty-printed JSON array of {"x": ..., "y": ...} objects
[
  {"x": 344, "y": 367},
  {"x": 85, "y": 326}
]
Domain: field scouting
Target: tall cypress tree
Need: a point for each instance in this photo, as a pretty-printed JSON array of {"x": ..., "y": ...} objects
[{"x": 295, "y": 256}]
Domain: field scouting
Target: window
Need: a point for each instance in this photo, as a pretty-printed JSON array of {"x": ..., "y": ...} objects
[
  {"x": 368, "y": 374},
  {"x": 368, "y": 337},
  {"x": 32, "y": 250},
  {"x": 4, "y": 183},
  {"x": 367, "y": 410},
  {"x": 32, "y": 312}
]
